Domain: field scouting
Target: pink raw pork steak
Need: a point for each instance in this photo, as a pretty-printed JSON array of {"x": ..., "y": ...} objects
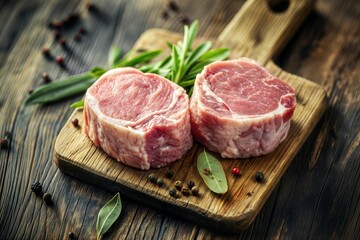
[
  {"x": 140, "y": 119},
  {"x": 239, "y": 109}
]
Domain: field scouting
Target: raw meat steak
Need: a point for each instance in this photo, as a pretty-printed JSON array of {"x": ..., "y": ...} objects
[
  {"x": 142, "y": 120},
  {"x": 239, "y": 109}
]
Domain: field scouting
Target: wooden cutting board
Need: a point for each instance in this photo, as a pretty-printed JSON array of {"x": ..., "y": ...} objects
[{"x": 255, "y": 32}]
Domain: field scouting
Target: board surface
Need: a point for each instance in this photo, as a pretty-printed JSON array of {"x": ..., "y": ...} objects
[{"x": 76, "y": 155}]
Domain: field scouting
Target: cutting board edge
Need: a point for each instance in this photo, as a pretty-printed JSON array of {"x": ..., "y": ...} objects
[{"x": 214, "y": 221}]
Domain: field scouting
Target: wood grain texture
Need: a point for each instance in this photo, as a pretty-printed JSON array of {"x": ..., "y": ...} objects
[
  {"x": 235, "y": 210},
  {"x": 312, "y": 201}
]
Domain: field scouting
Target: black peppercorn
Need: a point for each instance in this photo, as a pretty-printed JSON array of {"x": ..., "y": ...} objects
[
  {"x": 30, "y": 91},
  {"x": 259, "y": 177},
  {"x": 45, "y": 77},
  {"x": 47, "y": 198},
  {"x": 169, "y": 174},
  {"x": 173, "y": 192},
  {"x": 71, "y": 235},
  {"x": 173, "y": 6},
  {"x": 36, "y": 188},
  {"x": 195, "y": 191},
  {"x": 46, "y": 52},
  {"x": 152, "y": 178},
  {"x": 165, "y": 14},
  {"x": 57, "y": 34},
  {"x": 82, "y": 30},
  {"x": 77, "y": 37},
  {"x": 184, "y": 20},
  {"x": 4, "y": 143},
  {"x": 62, "y": 42},
  {"x": 160, "y": 182},
  {"x": 185, "y": 191},
  {"x": 191, "y": 184},
  {"x": 178, "y": 185}
]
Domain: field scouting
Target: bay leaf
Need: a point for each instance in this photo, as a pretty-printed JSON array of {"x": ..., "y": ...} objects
[
  {"x": 108, "y": 215},
  {"x": 212, "y": 172}
]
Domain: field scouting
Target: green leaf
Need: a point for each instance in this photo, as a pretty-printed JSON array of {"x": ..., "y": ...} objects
[
  {"x": 97, "y": 72},
  {"x": 114, "y": 56},
  {"x": 140, "y": 58},
  {"x": 216, "y": 55},
  {"x": 212, "y": 173},
  {"x": 78, "y": 104},
  {"x": 198, "y": 52},
  {"x": 61, "y": 89},
  {"x": 108, "y": 215}
]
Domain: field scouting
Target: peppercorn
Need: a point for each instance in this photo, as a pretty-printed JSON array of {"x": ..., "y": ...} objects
[
  {"x": 77, "y": 37},
  {"x": 36, "y": 188},
  {"x": 50, "y": 24},
  {"x": 178, "y": 185},
  {"x": 152, "y": 178},
  {"x": 191, "y": 184},
  {"x": 160, "y": 182},
  {"x": 4, "y": 143},
  {"x": 195, "y": 191},
  {"x": 74, "y": 16},
  {"x": 46, "y": 52},
  {"x": 71, "y": 235},
  {"x": 62, "y": 42},
  {"x": 58, "y": 24},
  {"x": 184, "y": 20},
  {"x": 75, "y": 122},
  {"x": 185, "y": 191},
  {"x": 169, "y": 174},
  {"x": 259, "y": 177},
  {"x": 173, "y": 192},
  {"x": 30, "y": 91},
  {"x": 173, "y": 6},
  {"x": 45, "y": 77},
  {"x": 60, "y": 60},
  {"x": 82, "y": 30},
  {"x": 165, "y": 14},
  {"x": 47, "y": 198},
  {"x": 90, "y": 6},
  {"x": 57, "y": 34},
  {"x": 236, "y": 171}
]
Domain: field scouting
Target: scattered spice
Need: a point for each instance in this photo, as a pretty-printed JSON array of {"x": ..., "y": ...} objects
[
  {"x": 169, "y": 174},
  {"x": 173, "y": 192},
  {"x": 60, "y": 60},
  {"x": 152, "y": 178},
  {"x": 191, "y": 184},
  {"x": 62, "y": 42},
  {"x": 184, "y": 20},
  {"x": 46, "y": 52},
  {"x": 57, "y": 34},
  {"x": 45, "y": 76},
  {"x": 259, "y": 177},
  {"x": 195, "y": 191},
  {"x": 90, "y": 6},
  {"x": 165, "y": 15},
  {"x": 47, "y": 198},
  {"x": 178, "y": 185},
  {"x": 30, "y": 91},
  {"x": 71, "y": 235},
  {"x": 50, "y": 24},
  {"x": 77, "y": 37},
  {"x": 249, "y": 194},
  {"x": 82, "y": 30},
  {"x": 235, "y": 171},
  {"x": 58, "y": 24},
  {"x": 75, "y": 122},
  {"x": 173, "y": 6},
  {"x": 36, "y": 187},
  {"x": 185, "y": 191},
  {"x": 206, "y": 171},
  {"x": 4, "y": 143},
  {"x": 160, "y": 182}
]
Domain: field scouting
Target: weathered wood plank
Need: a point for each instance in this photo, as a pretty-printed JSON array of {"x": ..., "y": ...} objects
[{"x": 297, "y": 209}]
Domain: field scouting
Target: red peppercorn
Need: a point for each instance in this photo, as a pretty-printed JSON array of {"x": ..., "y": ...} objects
[
  {"x": 4, "y": 143},
  {"x": 82, "y": 30},
  {"x": 60, "y": 60},
  {"x": 46, "y": 52},
  {"x": 58, "y": 24},
  {"x": 62, "y": 42},
  {"x": 236, "y": 171},
  {"x": 75, "y": 122}
]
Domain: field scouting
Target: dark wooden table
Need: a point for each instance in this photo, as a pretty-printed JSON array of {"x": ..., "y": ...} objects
[{"x": 319, "y": 195}]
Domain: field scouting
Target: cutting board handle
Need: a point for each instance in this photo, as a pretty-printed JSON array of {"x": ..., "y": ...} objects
[{"x": 259, "y": 32}]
